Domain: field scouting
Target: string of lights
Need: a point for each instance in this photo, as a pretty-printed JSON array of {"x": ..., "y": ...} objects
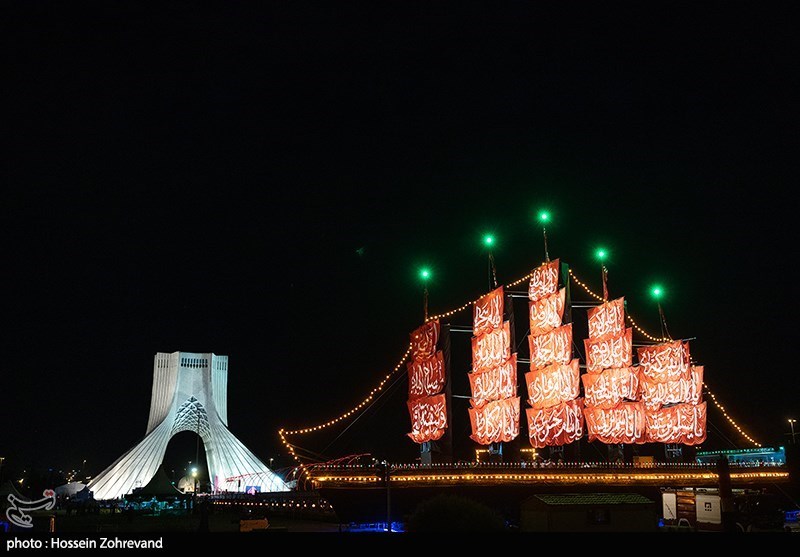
[
  {"x": 641, "y": 477},
  {"x": 472, "y": 302},
  {"x": 283, "y": 433},
  {"x": 728, "y": 416},
  {"x": 586, "y": 288},
  {"x": 645, "y": 333},
  {"x": 627, "y": 315}
]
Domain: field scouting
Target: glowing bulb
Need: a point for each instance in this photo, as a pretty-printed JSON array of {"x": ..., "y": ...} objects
[
  {"x": 488, "y": 240},
  {"x": 657, "y": 292},
  {"x": 544, "y": 217},
  {"x": 601, "y": 254},
  {"x": 424, "y": 273}
]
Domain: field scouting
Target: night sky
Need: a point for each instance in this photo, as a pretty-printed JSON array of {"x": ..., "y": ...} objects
[{"x": 264, "y": 182}]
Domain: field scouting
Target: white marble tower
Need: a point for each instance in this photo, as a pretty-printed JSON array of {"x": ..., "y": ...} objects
[{"x": 190, "y": 393}]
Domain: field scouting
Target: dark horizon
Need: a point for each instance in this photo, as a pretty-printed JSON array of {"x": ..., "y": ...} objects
[{"x": 264, "y": 183}]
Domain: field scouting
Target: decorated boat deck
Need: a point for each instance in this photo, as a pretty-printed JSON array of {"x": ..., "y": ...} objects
[{"x": 591, "y": 475}]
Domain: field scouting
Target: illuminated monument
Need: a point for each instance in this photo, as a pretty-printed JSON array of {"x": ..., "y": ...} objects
[{"x": 190, "y": 393}]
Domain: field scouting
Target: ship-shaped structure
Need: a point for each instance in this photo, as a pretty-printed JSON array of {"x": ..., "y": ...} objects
[{"x": 602, "y": 394}]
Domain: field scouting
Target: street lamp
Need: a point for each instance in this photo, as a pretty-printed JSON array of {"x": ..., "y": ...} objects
[
  {"x": 194, "y": 476},
  {"x": 792, "y": 421},
  {"x": 270, "y": 462}
]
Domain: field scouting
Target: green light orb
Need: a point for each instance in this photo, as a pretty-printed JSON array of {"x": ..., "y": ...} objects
[
  {"x": 424, "y": 273},
  {"x": 488, "y": 240},
  {"x": 657, "y": 292},
  {"x": 544, "y": 217},
  {"x": 601, "y": 254}
]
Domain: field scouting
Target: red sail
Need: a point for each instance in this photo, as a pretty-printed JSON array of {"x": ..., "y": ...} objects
[
  {"x": 491, "y": 349},
  {"x": 682, "y": 423},
  {"x": 494, "y": 374},
  {"x": 426, "y": 377},
  {"x": 428, "y": 418},
  {"x": 422, "y": 437},
  {"x": 424, "y": 340},
  {"x": 607, "y": 389},
  {"x": 552, "y": 347},
  {"x": 609, "y": 352},
  {"x": 623, "y": 424},
  {"x": 553, "y": 385},
  {"x": 546, "y": 313},
  {"x": 556, "y": 425},
  {"x": 607, "y": 320},
  {"x": 426, "y": 380},
  {"x": 496, "y": 422},
  {"x": 544, "y": 281},
  {"x": 668, "y": 361},
  {"x": 690, "y": 390},
  {"x": 488, "y": 313},
  {"x": 494, "y": 384}
]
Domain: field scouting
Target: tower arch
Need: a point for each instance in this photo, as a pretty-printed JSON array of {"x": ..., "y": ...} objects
[{"x": 189, "y": 394}]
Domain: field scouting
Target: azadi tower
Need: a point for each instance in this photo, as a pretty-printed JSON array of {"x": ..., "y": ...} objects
[{"x": 190, "y": 393}]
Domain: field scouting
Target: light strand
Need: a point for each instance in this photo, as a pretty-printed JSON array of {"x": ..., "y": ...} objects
[
  {"x": 645, "y": 333},
  {"x": 728, "y": 417},
  {"x": 361, "y": 405},
  {"x": 627, "y": 315},
  {"x": 471, "y": 303},
  {"x": 586, "y": 288}
]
